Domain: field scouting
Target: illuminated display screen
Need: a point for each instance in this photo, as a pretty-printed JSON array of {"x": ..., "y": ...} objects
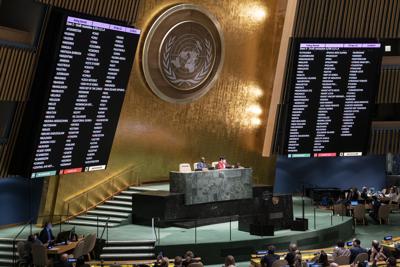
[
  {"x": 333, "y": 87},
  {"x": 77, "y": 96}
]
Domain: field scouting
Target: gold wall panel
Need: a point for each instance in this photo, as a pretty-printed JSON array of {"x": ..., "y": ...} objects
[{"x": 154, "y": 136}]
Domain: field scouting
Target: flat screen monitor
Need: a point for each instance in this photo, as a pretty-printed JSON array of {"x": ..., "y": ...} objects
[
  {"x": 331, "y": 92},
  {"x": 77, "y": 95}
]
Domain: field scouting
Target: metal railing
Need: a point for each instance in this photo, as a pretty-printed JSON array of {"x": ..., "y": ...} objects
[
  {"x": 101, "y": 192},
  {"x": 105, "y": 228},
  {"x": 16, "y": 237},
  {"x": 317, "y": 219}
]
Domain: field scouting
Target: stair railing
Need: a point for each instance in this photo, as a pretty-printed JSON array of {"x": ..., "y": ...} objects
[
  {"x": 105, "y": 229},
  {"x": 108, "y": 188},
  {"x": 16, "y": 237}
]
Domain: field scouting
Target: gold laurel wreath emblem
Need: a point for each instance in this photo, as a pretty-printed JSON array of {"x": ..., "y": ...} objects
[{"x": 169, "y": 72}]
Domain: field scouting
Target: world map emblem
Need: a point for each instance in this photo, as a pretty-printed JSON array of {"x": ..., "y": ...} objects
[{"x": 183, "y": 54}]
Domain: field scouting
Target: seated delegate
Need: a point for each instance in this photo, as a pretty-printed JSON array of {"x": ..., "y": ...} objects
[
  {"x": 202, "y": 164},
  {"x": 222, "y": 163}
]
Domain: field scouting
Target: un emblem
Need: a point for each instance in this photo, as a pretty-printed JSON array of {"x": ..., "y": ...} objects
[{"x": 182, "y": 54}]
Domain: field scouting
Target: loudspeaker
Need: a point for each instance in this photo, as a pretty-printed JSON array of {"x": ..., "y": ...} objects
[
  {"x": 261, "y": 229},
  {"x": 299, "y": 224}
]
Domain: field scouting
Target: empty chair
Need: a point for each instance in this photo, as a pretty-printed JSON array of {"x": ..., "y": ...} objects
[
  {"x": 184, "y": 167},
  {"x": 361, "y": 257},
  {"x": 339, "y": 209},
  {"x": 78, "y": 250},
  {"x": 342, "y": 260},
  {"x": 359, "y": 213},
  {"x": 39, "y": 256},
  {"x": 279, "y": 263},
  {"x": 195, "y": 166},
  {"x": 383, "y": 213},
  {"x": 89, "y": 243}
]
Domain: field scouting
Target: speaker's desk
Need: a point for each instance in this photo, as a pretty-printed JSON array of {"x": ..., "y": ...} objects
[{"x": 212, "y": 185}]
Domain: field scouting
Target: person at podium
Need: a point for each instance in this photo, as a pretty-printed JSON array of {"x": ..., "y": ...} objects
[
  {"x": 222, "y": 163},
  {"x": 202, "y": 164}
]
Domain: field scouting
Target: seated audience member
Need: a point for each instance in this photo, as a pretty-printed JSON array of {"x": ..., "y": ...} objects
[
  {"x": 178, "y": 261},
  {"x": 356, "y": 249},
  {"x": 268, "y": 259},
  {"x": 341, "y": 199},
  {"x": 376, "y": 253},
  {"x": 222, "y": 164},
  {"x": 393, "y": 195},
  {"x": 46, "y": 235},
  {"x": 158, "y": 260},
  {"x": 229, "y": 261},
  {"x": 164, "y": 262},
  {"x": 63, "y": 262},
  {"x": 202, "y": 164},
  {"x": 391, "y": 262},
  {"x": 189, "y": 258},
  {"x": 340, "y": 250},
  {"x": 364, "y": 193},
  {"x": 293, "y": 257},
  {"x": 323, "y": 259},
  {"x": 353, "y": 194},
  {"x": 375, "y": 208},
  {"x": 27, "y": 248}
]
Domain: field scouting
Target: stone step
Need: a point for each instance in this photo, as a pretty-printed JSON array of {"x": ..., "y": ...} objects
[
  {"x": 108, "y": 213},
  {"x": 9, "y": 240},
  {"x": 142, "y": 189},
  {"x": 7, "y": 254},
  {"x": 129, "y": 193},
  {"x": 6, "y": 262},
  {"x": 129, "y": 248},
  {"x": 126, "y": 256},
  {"x": 119, "y": 203},
  {"x": 92, "y": 223},
  {"x": 7, "y": 246},
  {"x": 100, "y": 218},
  {"x": 121, "y": 197},
  {"x": 120, "y": 243},
  {"x": 113, "y": 208}
]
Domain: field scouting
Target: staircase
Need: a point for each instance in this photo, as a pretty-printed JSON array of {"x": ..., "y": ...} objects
[
  {"x": 6, "y": 251},
  {"x": 118, "y": 210},
  {"x": 128, "y": 250}
]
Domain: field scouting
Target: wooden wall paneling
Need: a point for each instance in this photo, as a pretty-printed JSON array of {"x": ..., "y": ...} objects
[
  {"x": 124, "y": 10},
  {"x": 389, "y": 20},
  {"x": 393, "y": 87},
  {"x": 5, "y": 55},
  {"x": 396, "y": 22},
  {"x": 7, "y": 74},
  {"x": 300, "y": 17},
  {"x": 312, "y": 22},
  {"x": 371, "y": 141},
  {"x": 396, "y": 87},
  {"x": 381, "y": 84}
]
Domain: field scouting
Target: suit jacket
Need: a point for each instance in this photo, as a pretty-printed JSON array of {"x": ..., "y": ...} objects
[
  {"x": 268, "y": 259},
  {"x": 354, "y": 251},
  {"x": 44, "y": 235}
]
